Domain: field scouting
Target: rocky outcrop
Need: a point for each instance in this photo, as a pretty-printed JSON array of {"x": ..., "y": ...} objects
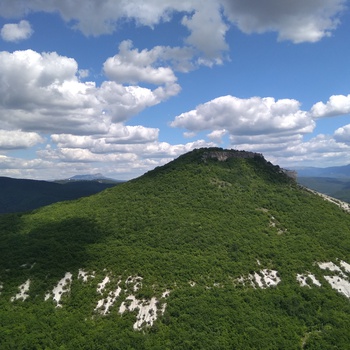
[{"x": 223, "y": 155}]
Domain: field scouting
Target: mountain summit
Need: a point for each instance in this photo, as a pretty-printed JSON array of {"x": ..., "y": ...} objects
[{"x": 218, "y": 249}]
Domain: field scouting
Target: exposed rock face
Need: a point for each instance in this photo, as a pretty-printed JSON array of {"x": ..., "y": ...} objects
[
  {"x": 291, "y": 173},
  {"x": 223, "y": 155}
]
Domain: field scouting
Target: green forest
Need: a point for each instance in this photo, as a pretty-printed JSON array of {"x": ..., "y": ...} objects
[{"x": 199, "y": 233}]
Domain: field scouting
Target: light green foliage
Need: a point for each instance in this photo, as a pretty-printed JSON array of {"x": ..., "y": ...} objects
[{"x": 192, "y": 220}]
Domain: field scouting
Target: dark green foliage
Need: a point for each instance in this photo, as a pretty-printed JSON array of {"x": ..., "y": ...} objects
[{"x": 196, "y": 219}]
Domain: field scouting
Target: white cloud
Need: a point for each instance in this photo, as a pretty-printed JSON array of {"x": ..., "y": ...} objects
[
  {"x": 189, "y": 134},
  {"x": 164, "y": 149},
  {"x": 207, "y": 30},
  {"x": 335, "y": 106},
  {"x": 264, "y": 142},
  {"x": 16, "y": 31},
  {"x": 253, "y": 116},
  {"x": 320, "y": 151},
  {"x": 343, "y": 134},
  {"x": 207, "y": 22},
  {"x": 42, "y": 93},
  {"x": 118, "y": 135},
  {"x": 217, "y": 135},
  {"x": 132, "y": 66},
  {"x": 97, "y": 17},
  {"x": 83, "y": 73},
  {"x": 16, "y": 139},
  {"x": 16, "y": 164},
  {"x": 297, "y": 20},
  {"x": 85, "y": 155}
]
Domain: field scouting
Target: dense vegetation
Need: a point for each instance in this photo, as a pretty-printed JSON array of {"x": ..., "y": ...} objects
[
  {"x": 18, "y": 195},
  {"x": 193, "y": 226}
]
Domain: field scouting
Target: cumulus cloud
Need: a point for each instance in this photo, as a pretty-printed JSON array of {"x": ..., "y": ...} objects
[
  {"x": 253, "y": 116},
  {"x": 102, "y": 17},
  {"x": 118, "y": 134},
  {"x": 16, "y": 31},
  {"x": 42, "y": 93},
  {"x": 207, "y": 23},
  {"x": 320, "y": 151},
  {"x": 17, "y": 139},
  {"x": 15, "y": 163},
  {"x": 207, "y": 30},
  {"x": 343, "y": 134},
  {"x": 264, "y": 143},
  {"x": 298, "y": 20},
  {"x": 85, "y": 155},
  {"x": 217, "y": 135},
  {"x": 132, "y": 66},
  {"x": 335, "y": 106}
]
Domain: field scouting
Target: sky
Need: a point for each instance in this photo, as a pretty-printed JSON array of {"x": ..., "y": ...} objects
[{"x": 119, "y": 87}]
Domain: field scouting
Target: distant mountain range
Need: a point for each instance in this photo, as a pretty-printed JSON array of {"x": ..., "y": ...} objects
[
  {"x": 18, "y": 195},
  {"x": 89, "y": 177},
  {"x": 332, "y": 172},
  {"x": 332, "y": 181}
]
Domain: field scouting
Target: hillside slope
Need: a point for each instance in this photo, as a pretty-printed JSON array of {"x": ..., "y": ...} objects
[{"x": 215, "y": 250}]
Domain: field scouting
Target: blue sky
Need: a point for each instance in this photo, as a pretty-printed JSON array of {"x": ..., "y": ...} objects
[{"x": 118, "y": 88}]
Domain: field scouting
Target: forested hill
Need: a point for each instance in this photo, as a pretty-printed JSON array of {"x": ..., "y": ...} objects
[
  {"x": 218, "y": 249},
  {"x": 19, "y": 195}
]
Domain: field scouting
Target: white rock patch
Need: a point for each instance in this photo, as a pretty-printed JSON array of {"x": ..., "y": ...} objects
[
  {"x": 249, "y": 279},
  {"x": 147, "y": 310},
  {"x": 270, "y": 277},
  {"x": 85, "y": 275},
  {"x": 339, "y": 284},
  {"x": 166, "y": 293},
  {"x": 339, "y": 280},
  {"x": 23, "y": 289},
  {"x": 258, "y": 280},
  {"x": 330, "y": 266},
  {"x": 314, "y": 280},
  {"x": 63, "y": 286},
  {"x": 345, "y": 266},
  {"x": 1, "y": 287},
  {"x": 104, "y": 305},
  {"x": 136, "y": 281},
  {"x": 263, "y": 279},
  {"x": 101, "y": 286},
  {"x": 302, "y": 279}
]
